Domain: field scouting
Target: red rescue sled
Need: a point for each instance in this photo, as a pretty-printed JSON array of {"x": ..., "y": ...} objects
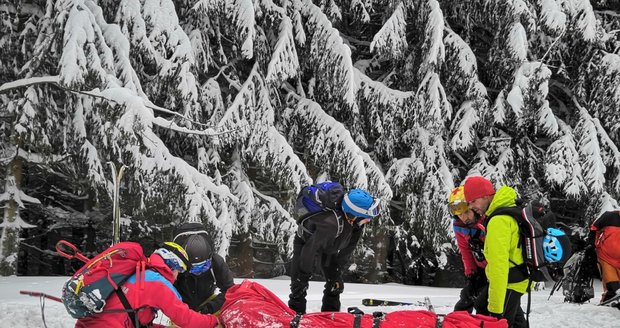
[{"x": 249, "y": 304}]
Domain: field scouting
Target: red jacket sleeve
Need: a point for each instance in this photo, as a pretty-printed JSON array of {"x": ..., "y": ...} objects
[
  {"x": 163, "y": 297},
  {"x": 468, "y": 258}
]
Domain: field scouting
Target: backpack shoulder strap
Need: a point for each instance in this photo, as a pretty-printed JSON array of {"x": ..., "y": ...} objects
[
  {"x": 130, "y": 311},
  {"x": 302, "y": 226},
  {"x": 514, "y": 211}
]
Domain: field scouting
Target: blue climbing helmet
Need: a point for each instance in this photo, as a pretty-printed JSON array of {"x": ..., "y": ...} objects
[
  {"x": 556, "y": 246},
  {"x": 359, "y": 203}
]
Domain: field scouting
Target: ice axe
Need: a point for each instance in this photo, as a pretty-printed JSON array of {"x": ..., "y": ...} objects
[{"x": 68, "y": 250}]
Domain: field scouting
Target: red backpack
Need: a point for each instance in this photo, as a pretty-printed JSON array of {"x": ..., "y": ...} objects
[{"x": 88, "y": 289}]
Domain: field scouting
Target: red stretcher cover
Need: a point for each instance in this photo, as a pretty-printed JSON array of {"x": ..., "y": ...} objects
[{"x": 249, "y": 304}]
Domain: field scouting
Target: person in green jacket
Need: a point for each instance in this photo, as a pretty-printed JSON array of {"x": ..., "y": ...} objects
[{"x": 501, "y": 248}]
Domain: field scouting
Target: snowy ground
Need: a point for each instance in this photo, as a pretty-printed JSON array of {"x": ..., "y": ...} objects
[{"x": 24, "y": 311}]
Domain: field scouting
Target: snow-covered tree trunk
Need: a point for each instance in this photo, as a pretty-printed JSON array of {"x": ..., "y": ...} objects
[{"x": 12, "y": 224}]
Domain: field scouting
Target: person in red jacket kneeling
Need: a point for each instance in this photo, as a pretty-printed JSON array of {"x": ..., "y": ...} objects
[{"x": 149, "y": 293}]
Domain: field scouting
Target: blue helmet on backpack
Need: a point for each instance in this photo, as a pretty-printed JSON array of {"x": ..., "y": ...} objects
[
  {"x": 359, "y": 203},
  {"x": 556, "y": 245}
]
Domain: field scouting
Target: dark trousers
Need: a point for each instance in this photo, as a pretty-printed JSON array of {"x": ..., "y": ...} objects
[
  {"x": 473, "y": 299},
  {"x": 513, "y": 312},
  {"x": 299, "y": 282}
]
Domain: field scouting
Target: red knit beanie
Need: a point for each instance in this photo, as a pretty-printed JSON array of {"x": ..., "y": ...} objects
[{"x": 477, "y": 187}]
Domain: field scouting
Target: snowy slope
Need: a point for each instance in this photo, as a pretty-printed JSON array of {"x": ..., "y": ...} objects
[{"x": 23, "y": 311}]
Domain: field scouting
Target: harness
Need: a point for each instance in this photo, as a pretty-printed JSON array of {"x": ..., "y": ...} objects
[{"x": 301, "y": 228}]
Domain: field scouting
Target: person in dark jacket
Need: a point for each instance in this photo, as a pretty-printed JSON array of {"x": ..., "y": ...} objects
[
  {"x": 605, "y": 235},
  {"x": 470, "y": 232},
  {"x": 332, "y": 236},
  {"x": 208, "y": 270},
  {"x": 150, "y": 292}
]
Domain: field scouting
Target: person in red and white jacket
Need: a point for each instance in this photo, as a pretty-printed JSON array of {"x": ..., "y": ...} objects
[
  {"x": 470, "y": 232},
  {"x": 150, "y": 292}
]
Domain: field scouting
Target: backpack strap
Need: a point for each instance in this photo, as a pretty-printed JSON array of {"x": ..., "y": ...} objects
[
  {"x": 529, "y": 302},
  {"x": 130, "y": 311},
  {"x": 295, "y": 321},
  {"x": 377, "y": 317},
  {"x": 357, "y": 323},
  {"x": 302, "y": 228}
]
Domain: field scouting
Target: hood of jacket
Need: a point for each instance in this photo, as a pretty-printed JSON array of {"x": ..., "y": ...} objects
[
  {"x": 504, "y": 197},
  {"x": 157, "y": 263}
]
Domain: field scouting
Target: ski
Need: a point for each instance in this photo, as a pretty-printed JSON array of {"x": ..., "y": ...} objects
[
  {"x": 116, "y": 211},
  {"x": 428, "y": 304},
  {"x": 378, "y": 302}
]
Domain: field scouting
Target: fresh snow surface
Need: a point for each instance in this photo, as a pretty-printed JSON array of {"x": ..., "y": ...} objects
[{"x": 25, "y": 311}]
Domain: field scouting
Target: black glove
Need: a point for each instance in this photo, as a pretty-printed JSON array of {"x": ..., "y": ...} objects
[
  {"x": 499, "y": 316},
  {"x": 207, "y": 309},
  {"x": 476, "y": 281},
  {"x": 335, "y": 286}
]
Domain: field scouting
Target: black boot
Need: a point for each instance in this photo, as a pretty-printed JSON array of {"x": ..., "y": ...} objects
[
  {"x": 612, "y": 290},
  {"x": 297, "y": 298}
]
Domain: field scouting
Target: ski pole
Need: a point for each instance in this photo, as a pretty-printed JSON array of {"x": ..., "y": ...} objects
[
  {"x": 378, "y": 302},
  {"x": 68, "y": 250},
  {"x": 39, "y": 294}
]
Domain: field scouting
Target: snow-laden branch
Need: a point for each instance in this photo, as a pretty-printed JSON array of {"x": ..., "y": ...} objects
[
  {"x": 284, "y": 64},
  {"x": 583, "y": 17},
  {"x": 331, "y": 147},
  {"x": 284, "y": 225},
  {"x": 240, "y": 13},
  {"x": 95, "y": 93},
  {"x": 252, "y": 111},
  {"x": 590, "y": 153},
  {"x": 527, "y": 98},
  {"x": 391, "y": 41},
  {"x": 26, "y": 82},
  {"x": 155, "y": 157},
  {"x": 464, "y": 134},
  {"x": 552, "y": 18},
  {"x": 329, "y": 55},
  {"x": 562, "y": 166},
  {"x": 433, "y": 47}
]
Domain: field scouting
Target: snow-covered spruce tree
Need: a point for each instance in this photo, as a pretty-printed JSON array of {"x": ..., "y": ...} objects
[
  {"x": 261, "y": 152},
  {"x": 24, "y": 129},
  {"x": 111, "y": 123},
  {"x": 259, "y": 96},
  {"x": 424, "y": 120}
]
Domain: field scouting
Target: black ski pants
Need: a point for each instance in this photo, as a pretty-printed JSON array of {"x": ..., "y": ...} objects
[
  {"x": 513, "y": 312},
  {"x": 334, "y": 285}
]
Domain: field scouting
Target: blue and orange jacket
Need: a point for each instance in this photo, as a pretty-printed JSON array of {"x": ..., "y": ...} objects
[
  {"x": 464, "y": 233},
  {"x": 153, "y": 291}
]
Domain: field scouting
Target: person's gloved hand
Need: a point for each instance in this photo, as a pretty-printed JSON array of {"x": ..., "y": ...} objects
[
  {"x": 335, "y": 286},
  {"x": 499, "y": 316},
  {"x": 476, "y": 281},
  {"x": 207, "y": 309}
]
